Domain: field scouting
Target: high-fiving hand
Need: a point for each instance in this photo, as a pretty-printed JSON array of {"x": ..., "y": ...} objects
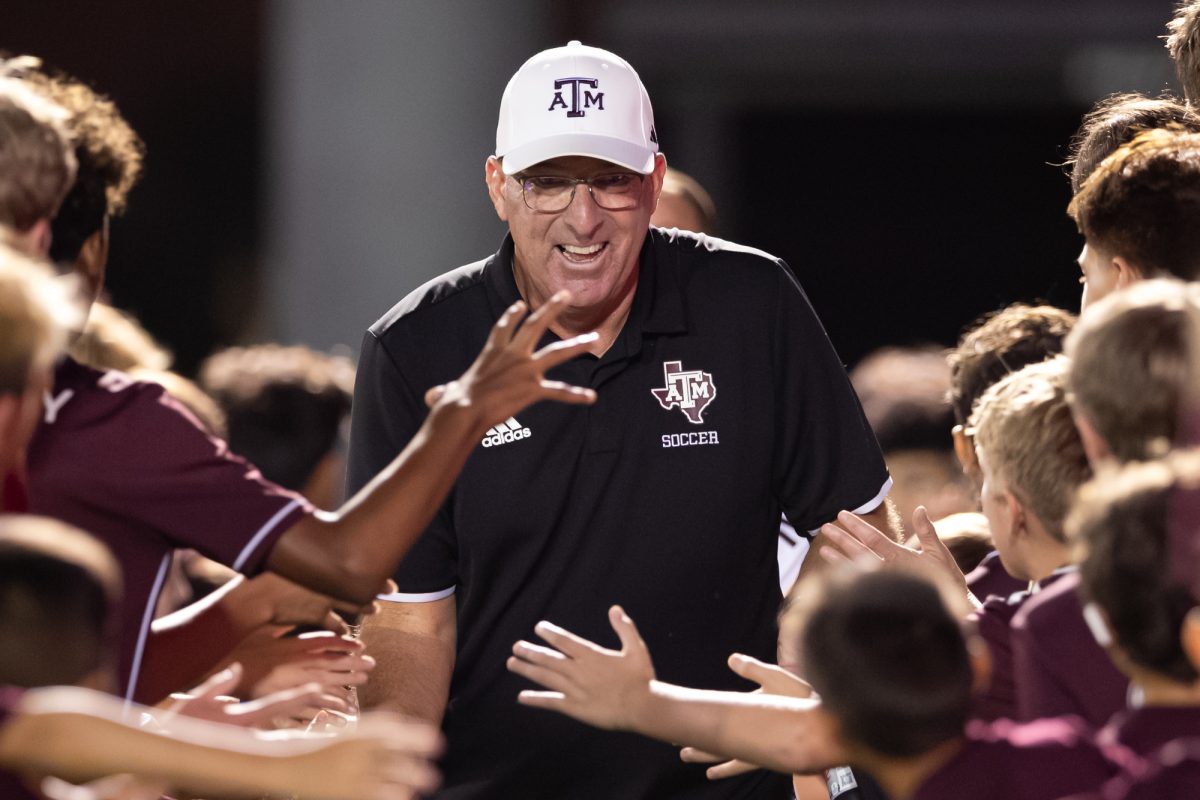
[
  {"x": 509, "y": 374},
  {"x": 593, "y": 684}
]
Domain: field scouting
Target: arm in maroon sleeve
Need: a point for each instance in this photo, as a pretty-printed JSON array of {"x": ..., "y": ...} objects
[{"x": 352, "y": 553}]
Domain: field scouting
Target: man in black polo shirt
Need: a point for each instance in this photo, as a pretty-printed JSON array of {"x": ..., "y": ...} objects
[{"x": 721, "y": 405}]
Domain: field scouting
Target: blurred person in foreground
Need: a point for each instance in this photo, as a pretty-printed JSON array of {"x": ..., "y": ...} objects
[
  {"x": 35, "y": 315},
  {"x": 58, "y": 590}
]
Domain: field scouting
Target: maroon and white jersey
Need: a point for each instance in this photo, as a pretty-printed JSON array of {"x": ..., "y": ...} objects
[
  {"x": 124, "y": 461},
  {"x": 1059, "y": 667},
  {"x": 994, "y": 621},
  {"x": 1043, "y": 760},
  {"x": 990, "y": 578}
]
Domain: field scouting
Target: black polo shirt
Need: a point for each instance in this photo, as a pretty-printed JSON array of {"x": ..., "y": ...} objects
[{"x": 721, "y": 404}]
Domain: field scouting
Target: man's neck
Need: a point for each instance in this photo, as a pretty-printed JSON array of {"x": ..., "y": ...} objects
[
  {"x": 607, "y": 319},
  {"x": 901, "y": 777}
]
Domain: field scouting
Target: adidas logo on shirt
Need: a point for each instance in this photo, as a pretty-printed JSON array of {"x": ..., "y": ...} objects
[{"x": 506, "y": 432}]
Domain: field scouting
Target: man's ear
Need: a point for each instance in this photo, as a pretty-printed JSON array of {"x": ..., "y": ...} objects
[
  {"x": 1094, "y": 446},
  {"x": 1127, "y": 272},
  {"x": 964, "y": 450},
  {"x": 1019, "y": 527},
  {"x": 657, "y": 176},
  {"x": 495, "y": 176}
]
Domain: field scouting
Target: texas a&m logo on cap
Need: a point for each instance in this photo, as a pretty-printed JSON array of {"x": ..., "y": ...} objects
[
  {"x": 689, "y": 390},
  {"x": 576, "y": 108}
]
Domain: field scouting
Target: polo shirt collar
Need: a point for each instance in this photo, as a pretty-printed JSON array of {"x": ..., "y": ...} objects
[{"x": 657, "y": 302}]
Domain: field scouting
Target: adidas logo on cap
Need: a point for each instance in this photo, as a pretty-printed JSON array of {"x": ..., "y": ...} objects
[{"x": 506, "y": 432}]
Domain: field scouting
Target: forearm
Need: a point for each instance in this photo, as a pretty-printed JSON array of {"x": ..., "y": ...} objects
[
  {"x": 91, "y": 743},
  {"x": 219, "y": 622},
  {"x": 352, "y": 553},
  {"x": 780, "y": 733},
  {"x": 414, "y": 648}
]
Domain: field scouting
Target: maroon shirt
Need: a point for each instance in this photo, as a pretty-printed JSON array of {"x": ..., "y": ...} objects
[
  {"x": 994, "y": 622},
  {"x": 11, "y": 787},
  {"x": 1042, "y": 760},
  {"x": 124, "y": 461},
  {"x": 1147, "y": 729},
  {"x": 1059, "y": 667},
  {"x": 1172, "y": 773},
  {"x": 990, "y": 578}
]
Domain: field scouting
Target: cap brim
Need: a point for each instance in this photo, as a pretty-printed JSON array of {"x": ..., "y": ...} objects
[{"x": 606, "y": 148}]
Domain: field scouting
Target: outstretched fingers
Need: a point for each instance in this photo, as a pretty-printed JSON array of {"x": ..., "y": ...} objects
[
  {"x": 926, "y": 534},
  {"x": 843, "y": 544},
  {"x": 566, "y": 393},
  {"x": 866, "y": 533},
  {"x": 504, "y": 331},
  {"x": 627, "y": 632},
  {"x": 539, "y": 321},
  {"x": 551, "y": 701},
  {"x": 566, "y": 642}
]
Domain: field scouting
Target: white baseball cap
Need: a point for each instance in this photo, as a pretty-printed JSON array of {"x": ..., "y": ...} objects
[{"x": 576, "y": 101}]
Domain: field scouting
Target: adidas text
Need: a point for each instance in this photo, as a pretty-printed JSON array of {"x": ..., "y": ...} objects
[{"x": 506, "y": 432}]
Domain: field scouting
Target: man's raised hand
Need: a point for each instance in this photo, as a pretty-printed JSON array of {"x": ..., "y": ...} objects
[{"x": 593, "y": 684}]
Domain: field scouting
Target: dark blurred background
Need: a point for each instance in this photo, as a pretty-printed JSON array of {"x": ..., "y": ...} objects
[{"x": 311, "y": 162}]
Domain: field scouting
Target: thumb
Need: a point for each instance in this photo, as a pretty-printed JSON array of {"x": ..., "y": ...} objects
[
  {"x": 750, "y": 668},
  {"x": 627, "y": 632},
  {"x": 926, "y": 533},
  {"x": 222, "y": 683}
]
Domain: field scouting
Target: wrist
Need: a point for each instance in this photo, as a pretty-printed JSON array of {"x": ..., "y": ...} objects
[
  {"x": 454, "y": 418},
  {"x": 642, "y": 706},
  {"x": 246, "y": 606}
]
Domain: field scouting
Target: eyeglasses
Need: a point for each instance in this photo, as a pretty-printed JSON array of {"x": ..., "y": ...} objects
[{"x": 550, "y": 194}]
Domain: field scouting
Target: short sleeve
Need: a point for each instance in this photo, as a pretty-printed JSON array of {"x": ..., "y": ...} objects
[
  {"x": 173, "y": 476},
  {"x": 387, "y": 413},
  {"x": 826, "y": 458}
]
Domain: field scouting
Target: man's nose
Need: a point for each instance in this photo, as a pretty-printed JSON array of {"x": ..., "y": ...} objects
[{"x": 583, "y": 214}]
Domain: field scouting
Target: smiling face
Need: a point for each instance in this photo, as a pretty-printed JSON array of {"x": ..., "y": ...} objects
[{"x": 588, "y": 250}]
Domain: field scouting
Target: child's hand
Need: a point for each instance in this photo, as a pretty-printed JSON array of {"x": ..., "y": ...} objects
[
  {"x": 509, "y": 374},
  {"x": 605, "y": 688},
  {"x": 852, "y": 537},
  {"x": 386, "y": 758},
  {"x": 771, "y": 679}
]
